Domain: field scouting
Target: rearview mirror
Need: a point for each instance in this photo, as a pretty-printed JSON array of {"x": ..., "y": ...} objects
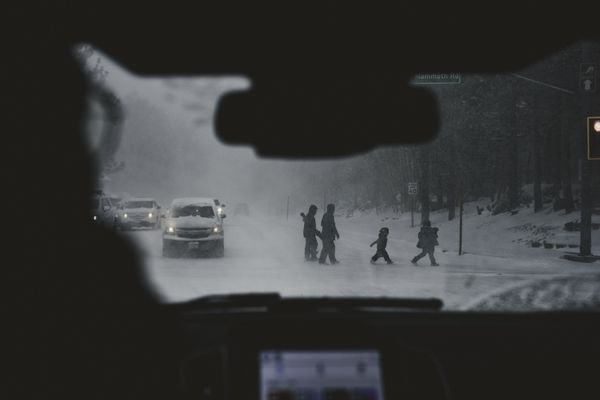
[{"x": 382, "y": 111}]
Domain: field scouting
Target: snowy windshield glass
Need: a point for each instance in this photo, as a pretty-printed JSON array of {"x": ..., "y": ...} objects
[
  {"x": 501, "y": 211},
  {"x": 192, "y": 211},
  {"x": 139, "y": 204}
]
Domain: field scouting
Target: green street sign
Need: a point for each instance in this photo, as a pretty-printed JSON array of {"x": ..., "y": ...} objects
[{"x": 436, "y": 79}]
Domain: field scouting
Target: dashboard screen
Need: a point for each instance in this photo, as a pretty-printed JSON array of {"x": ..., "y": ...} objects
[{"x": 320, "y": 375}]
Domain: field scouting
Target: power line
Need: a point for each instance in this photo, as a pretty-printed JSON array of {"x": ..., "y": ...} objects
[{"x": 543, "y": 84}]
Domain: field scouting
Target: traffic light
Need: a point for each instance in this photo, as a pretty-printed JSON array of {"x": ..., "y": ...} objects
[{"x": 593, "y": 138}]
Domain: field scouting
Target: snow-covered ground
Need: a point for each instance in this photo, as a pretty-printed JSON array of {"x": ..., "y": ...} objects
[{"x": 266, "y": 254}]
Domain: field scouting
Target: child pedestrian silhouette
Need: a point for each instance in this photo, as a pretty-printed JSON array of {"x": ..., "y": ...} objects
[
  {"x": 428, "y": 239},
  {"x": 381, "y": 245}
]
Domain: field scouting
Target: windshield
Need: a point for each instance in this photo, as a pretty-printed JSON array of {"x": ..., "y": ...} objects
[
  {"x": 192, "y": 211},
  {"x": 501, "y": 211},
  {"x": 139, "y": 204}
]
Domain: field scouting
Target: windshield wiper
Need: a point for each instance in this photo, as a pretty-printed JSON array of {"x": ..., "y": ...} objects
[
  {"x": 273, "y": 302},
  {"x": 229, "y": 301}
]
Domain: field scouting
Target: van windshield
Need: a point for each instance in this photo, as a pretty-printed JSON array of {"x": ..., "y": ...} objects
[{"x": 193, "y": 211}]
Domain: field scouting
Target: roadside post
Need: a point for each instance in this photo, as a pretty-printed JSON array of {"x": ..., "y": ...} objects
[
  {"x": 287, "y": 210},
  {"x": 413, "y": 190},
  {"x": 460, "y": 224}
]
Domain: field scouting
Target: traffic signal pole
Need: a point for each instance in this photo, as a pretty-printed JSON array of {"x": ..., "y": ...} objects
[
  {"x": 587, "y": 103},
  {"x": 585, "y": 239}
]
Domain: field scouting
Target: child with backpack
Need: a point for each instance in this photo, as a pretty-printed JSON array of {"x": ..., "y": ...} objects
[{"x": 428, "y": 239}]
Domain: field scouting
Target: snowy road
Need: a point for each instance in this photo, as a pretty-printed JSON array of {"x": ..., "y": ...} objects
[{"x": 265, "y": 254}]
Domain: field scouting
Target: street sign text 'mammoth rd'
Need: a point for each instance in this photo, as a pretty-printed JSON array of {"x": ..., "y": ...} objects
[{"x": 436, "y": 79}]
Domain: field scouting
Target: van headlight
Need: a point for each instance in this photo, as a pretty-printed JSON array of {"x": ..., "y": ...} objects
[
  {"x": 149, "y": 215},
  {"x": 125, "y": 215},
  {"x": 171, "y": 229},
  {"x": 216, "y": 229}
]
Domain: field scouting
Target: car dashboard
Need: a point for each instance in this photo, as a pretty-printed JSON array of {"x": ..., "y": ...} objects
[{"x": 386, "y": 354}]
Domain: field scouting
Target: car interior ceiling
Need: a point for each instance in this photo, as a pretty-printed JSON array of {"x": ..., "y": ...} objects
[{"x": 90, "y": 326}]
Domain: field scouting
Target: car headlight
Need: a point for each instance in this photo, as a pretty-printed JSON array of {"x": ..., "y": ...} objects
[
  {"x": 95, "y": 218},
  {"x": 125, "y": 215},
  {"x": 171, "y": 229},
  {"x": 216, "y": 229},
  {"x": 149, "y": 215}
]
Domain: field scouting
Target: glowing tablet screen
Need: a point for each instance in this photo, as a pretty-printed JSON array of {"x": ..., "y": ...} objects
[{"x": 320, "y": 375}]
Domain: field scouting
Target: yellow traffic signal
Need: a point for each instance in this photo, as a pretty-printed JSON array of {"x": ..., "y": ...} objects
[{"x": 593, "y": 138}]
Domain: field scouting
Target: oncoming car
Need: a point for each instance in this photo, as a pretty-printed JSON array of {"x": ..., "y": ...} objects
[
  {"x": 140, "y": 213},
  {"x": 193, "y": 227}
]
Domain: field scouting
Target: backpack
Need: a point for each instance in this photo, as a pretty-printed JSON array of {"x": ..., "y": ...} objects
[{"x": 421, "y": 237}]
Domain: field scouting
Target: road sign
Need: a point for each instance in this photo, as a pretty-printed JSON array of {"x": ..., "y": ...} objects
[
  {"x": 436, "y": 79},
  {"x": 593, "y": 138},
  {"x": 587, "y": 77},
  {"x": 413, "y": 188}
]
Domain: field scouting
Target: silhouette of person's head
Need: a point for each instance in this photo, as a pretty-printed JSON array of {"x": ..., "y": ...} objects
[{"x": 330, "y": 208}]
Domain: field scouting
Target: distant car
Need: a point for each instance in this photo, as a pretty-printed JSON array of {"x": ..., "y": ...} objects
[
  {"x": 241, "y": 209},
  {"x": 193, "y": 227},
  {"x": 140, "y": 213},
  {"x": 103, "y": 210}
]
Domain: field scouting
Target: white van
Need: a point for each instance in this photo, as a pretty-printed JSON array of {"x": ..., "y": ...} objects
[{"x": 193, "y": 226}]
